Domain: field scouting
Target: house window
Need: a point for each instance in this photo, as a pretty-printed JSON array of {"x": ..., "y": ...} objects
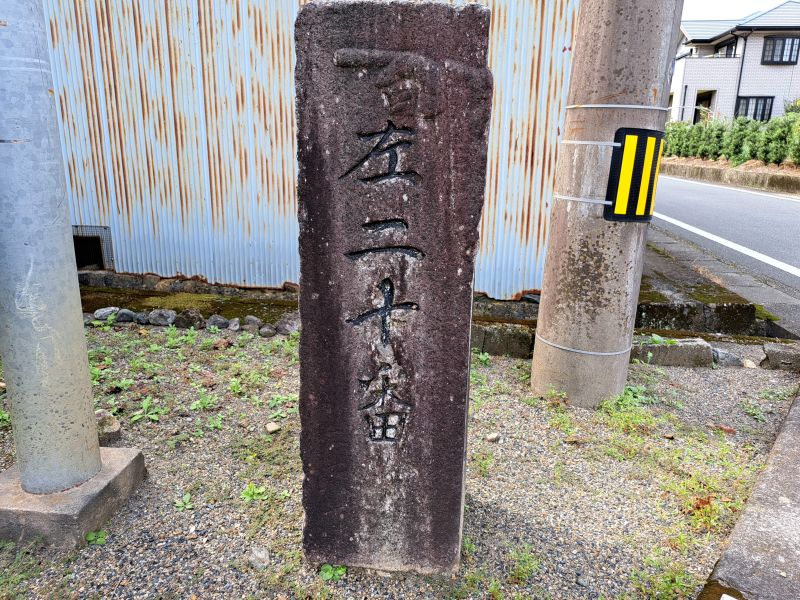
[
  {"x": 726, "y": 50},
  {"x": 755, "y": 107},
  {"x": 780, "y": 50}
]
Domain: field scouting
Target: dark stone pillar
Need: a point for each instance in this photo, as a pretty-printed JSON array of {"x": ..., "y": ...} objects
[{"x": 393, "y": 107}]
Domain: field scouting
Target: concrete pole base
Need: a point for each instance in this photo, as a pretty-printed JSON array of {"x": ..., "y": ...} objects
[
  {"x": 586, "y": 380},
  {"x": 63, "y": 519}
]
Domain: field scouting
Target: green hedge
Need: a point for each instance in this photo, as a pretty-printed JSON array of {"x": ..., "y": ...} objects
[{"x": 771, "y": 141}]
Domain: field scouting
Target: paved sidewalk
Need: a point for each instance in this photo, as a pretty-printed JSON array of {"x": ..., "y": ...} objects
[{"x": 775, "y": 298}]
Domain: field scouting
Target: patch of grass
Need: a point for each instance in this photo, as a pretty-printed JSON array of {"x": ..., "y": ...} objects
[
  {"x": 253, "y": 492},
  {"x": 656, "y": 340},
  {"x": 468, "y": 548},
  {"x": 483, "y": 358},
  {"x": 214, "y": 422},
  {"x": 524, "y": 564},
  {"x": 149, "y": 410},
  {"x": 662, "y": 579},
  {"x": 753, "y": 410},
  {"x": 623, "y": 447},
  {"x": 779, "y": 394},
  {"x": 184, "y": 503},
  {"x": 332, "y": 573},
  {"x": 763, "y": 314},
  {"x": 561, "y": 420},
  {"x": 626, "y": 412},
  {"x": 471, "y": 583},
  {"x": 531, "y": 401},
  {"x": 97, "y": 538},
  {"x": 205, "y": 401},
  {"x": 17, "y": 565},
  {"x": 484, "y": 461}
]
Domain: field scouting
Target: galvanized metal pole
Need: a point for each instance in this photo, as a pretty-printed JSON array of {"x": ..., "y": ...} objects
[
  {"x": 42, "y": 343},
  {"x": 623, "y": 54}
]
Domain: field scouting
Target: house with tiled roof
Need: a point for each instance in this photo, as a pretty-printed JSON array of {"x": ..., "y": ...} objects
[{"x": 732, "y": 68}]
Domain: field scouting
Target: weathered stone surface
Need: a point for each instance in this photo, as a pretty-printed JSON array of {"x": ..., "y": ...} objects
[
  {"x": 142, "y": 318},
  {"x": 723, "y": 358},
  {"x": 217, "y": 321},
  {"x": 393, "y": 104},
  {"x": 162, "y": 317},
  {"x": 62, "y": 519},
  {"x": 501, "y": 339},
  {"x": 785, "y": 357},
  {"x": 691, "y": 352},
  {"x": 126, "y": 316},
  {"x": 267, "y": 331},
  {"x": 258, "y": 558},
  {"x": 234, "y": 324},
  {"x": 101, "y": 314},
  {"x": 191, "y": 317},
  {"x": 288, "y": 323},
  {"x": 761, "y": 553},
  {"x": 251, "y": 323},
  {"x": 108, "y": 426}
]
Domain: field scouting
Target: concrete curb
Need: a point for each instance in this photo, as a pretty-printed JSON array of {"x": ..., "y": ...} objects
[
  {"x": 761, "y": 554},
  {"x": 773, "y": 182},
  {"x": 689, "y": 352}
]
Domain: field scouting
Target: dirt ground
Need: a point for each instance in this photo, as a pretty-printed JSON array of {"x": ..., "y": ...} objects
[{"x": 630, "y": 501}]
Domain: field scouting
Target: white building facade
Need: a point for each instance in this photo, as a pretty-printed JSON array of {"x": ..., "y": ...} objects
[{"x": 727, "y": 69}]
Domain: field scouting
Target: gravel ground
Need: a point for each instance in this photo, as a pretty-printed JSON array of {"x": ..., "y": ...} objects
[{"x": 632, "y": 501}]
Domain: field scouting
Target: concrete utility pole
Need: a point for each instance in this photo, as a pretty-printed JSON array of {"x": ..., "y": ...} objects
[
  {"x": 41, "y": 328},
  {"x": 623, "y": 54},
  {"x": 42, "y": 343}
]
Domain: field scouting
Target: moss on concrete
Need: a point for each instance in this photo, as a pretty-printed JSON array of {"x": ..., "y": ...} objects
[{"x": 269, "y": 310}]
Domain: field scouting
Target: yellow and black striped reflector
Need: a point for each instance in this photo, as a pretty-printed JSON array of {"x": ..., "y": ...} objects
[{"x": 634, "y": 175}]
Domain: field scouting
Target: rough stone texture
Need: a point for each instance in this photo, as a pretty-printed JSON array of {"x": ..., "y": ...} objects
[
  {"x": 724, "y": 358},
  {"x": 691, "y": 352},
  {"x": 125, "y": 316},
  {"x": 288, "y": 323},
  {"x": 217, "y": 321},
  {"x": 785, "y": 357},
  {"x": 191, "y": 317},
  {"x": 62, "y": 519},
  {"x": 393, "y": 104},
  {"x": 142, "y": 318},
  {"x": 267, "y": 331},
  {"x": 502, "y": 339},
  {"x": 252, "y": 323},
  {"x": 234, "y": 324},
  {"x": 763, "y": 550},
  {"x": 101, "y": 314},
  {"x": 108, "y": 426},
  {"x": 162, "y": 316}
]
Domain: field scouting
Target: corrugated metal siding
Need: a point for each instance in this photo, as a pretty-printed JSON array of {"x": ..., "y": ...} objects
[{"x": 178, "y": 133}]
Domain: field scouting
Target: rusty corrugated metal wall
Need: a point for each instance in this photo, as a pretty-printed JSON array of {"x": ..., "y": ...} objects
[{"x": 178, "y": 134}]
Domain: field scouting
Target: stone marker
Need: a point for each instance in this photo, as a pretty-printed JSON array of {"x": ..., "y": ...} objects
[
  {"x": 393, "y": 105},
  {"x": 760, "y": 557}
]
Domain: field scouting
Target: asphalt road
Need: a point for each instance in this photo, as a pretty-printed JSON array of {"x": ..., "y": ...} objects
[{"x": 764, "y": 226}]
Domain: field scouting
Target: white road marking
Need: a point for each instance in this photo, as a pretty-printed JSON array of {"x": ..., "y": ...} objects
[
  {"x": 732, "y": 245},
  {"x": 731, "y": 188}
]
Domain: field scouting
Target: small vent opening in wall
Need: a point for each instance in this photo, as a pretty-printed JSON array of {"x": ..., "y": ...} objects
[
  {"x": 93, "y": 248},
  {"x": 88, "y": 252}
]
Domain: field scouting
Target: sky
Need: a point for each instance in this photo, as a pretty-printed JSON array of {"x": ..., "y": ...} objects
[{"x": 725, "y": 9}]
